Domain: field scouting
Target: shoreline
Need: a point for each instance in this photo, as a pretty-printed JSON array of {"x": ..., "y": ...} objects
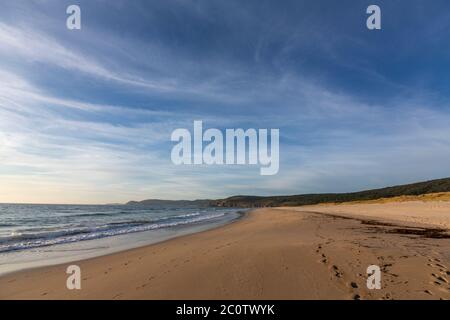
[
  {"x": 272, "y": 253},
  {"x": 96, "y": 248}
]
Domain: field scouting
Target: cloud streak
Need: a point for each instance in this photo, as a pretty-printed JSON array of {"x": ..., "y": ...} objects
[{"x": 87, "y": 117}]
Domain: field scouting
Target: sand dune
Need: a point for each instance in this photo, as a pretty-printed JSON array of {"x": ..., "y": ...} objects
[
  {"x": 432, "y": 213},
  {"x": 288, "y": 253}
]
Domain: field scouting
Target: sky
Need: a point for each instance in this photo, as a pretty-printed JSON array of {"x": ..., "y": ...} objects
[{"x": 86, "y": 115}]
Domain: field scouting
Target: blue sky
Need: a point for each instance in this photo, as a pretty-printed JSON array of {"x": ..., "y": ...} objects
[{"x": 86, "y": 115}]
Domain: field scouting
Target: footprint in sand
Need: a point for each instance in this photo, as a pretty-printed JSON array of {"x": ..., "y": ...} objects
[
  {"x": 323, "y": 259},
  {"x": 442, "y": 279},
  {"x": 439, "y": 279},
  {"x": 337, "y": 273},
  {"x": 142, "y": 287},
  {"x": 387, "y": 296}
]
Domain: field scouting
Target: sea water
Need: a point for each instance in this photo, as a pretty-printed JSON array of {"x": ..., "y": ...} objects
[{"x": 38, "y": 235}]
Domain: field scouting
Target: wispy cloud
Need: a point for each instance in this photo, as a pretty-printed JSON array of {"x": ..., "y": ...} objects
[{"x": 86, "y": 117}]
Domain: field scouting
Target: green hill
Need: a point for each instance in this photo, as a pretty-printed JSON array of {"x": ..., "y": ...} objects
[{"x": 413, "y": 189}]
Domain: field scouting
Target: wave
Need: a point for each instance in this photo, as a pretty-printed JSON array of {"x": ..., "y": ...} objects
[
  {"x": 108, "y": 214},
  {"x": 22, "y": 241},
  {"x": 65, "y": 230},
  {"x": 8, "y": 224}
]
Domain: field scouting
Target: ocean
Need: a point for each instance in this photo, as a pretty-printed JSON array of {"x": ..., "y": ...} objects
[{"x": 36, "y": 235}]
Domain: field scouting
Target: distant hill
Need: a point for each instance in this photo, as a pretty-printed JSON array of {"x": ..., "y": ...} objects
[
  {"x": 413, "y": 189},
  {"x": 171, "y": 203}
]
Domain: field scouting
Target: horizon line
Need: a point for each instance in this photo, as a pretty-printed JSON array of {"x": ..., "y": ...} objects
[{"x": 283, "y": 195}]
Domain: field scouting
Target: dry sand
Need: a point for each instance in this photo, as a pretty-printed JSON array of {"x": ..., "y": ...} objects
[
  {"x": 432, "y": 213},
  {"x": 288, "y": 253}
]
